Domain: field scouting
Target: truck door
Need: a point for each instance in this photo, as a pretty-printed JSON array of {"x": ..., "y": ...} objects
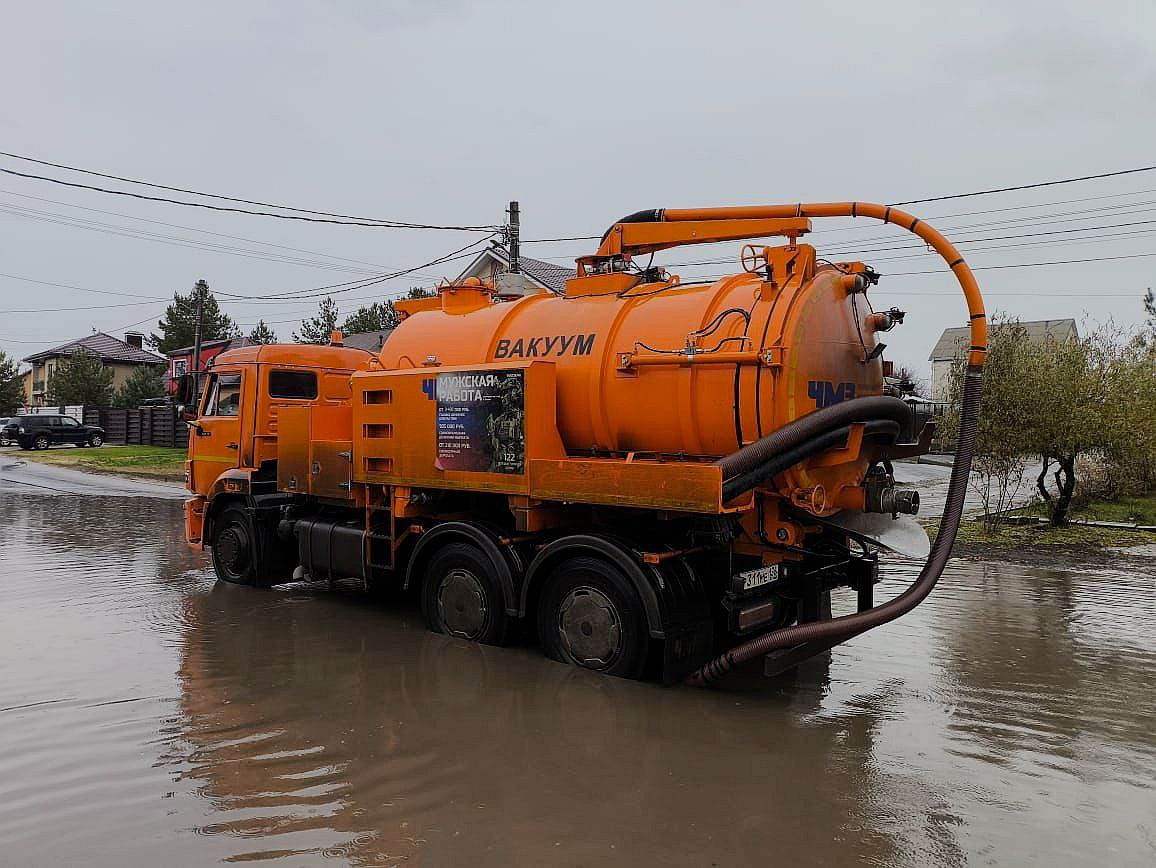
[{"x": 214, "y": 442}]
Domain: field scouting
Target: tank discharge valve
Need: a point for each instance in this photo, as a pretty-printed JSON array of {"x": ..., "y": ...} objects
[
  {"x": 886, "y": 320},
  {"x": 891, "y": 499},
  {"x": 881, "y": 495}
]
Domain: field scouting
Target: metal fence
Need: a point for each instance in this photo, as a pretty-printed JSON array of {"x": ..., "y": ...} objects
[{"x": 145, "y": 426}]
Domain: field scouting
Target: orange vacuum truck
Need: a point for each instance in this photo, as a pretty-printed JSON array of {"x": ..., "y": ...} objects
[{"x": 648, "y": 477}]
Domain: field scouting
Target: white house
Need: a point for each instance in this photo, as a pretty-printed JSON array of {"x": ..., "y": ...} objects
[
  {"x": 953, "y": 343},
  {"x": 543, "y": 275}
]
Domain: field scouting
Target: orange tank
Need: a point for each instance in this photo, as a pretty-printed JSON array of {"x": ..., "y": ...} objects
[{"x": 668, "y": 368}]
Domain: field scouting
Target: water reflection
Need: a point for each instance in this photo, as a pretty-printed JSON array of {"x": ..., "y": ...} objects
[{"x": 321, "y": 722}]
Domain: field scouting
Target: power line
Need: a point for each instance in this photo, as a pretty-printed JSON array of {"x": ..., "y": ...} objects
[
  {"x": 70, "y": 309},
  {"x": 846, "y": 248},
  {"x": 81, "y": 288},
  {"x": 349, "y": 286},
  {"x": 1120, "y": 210},
  {"x": 358, "y": 221},
  {"x": 1000, "y": 237},
  {"x": 945, "y": 270},
  {"x": 228, "y": 209},
  {"x": 955, "y": 196},
  {"x": 176, "y": 241},
  {"x": 566, "y": 238},
  {"x": 1098, "y": 240},
  {"x": 193, "y": 229},
  {"x": 1026, "y": 186}
]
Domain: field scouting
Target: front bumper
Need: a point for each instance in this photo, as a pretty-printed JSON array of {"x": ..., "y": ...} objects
[{"x": 195, "y": 521}]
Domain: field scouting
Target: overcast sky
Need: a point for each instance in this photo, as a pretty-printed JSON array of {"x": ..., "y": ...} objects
[{"x": 443, "y": 111}]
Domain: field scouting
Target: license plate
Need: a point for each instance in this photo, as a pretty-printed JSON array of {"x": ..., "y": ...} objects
[{"x": 757, "y": 578}]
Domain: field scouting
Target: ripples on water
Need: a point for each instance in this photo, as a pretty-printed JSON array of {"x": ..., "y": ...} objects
[{"x": 152, "y": 717}]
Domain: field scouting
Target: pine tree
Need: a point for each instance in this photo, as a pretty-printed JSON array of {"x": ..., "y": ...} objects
[
  {"x": 379, "y": 315},
  {"x": 11, "y": 389},
  {"x": 178, "y": 328},
  {"x": 262, "y": 334},
  {"x": 145, "y": 381},
  {"x": 319, "y": 329},
  {"x": 80, "y": 378}
]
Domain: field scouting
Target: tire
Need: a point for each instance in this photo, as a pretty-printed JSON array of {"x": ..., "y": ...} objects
[
  {"x": 96, "y": 440},
  {"x": 589, "y": 615},
  {"x": 234, "y": 547},
  {"x": 41, "y": 442},
  {"x": 461, "y": 595}
]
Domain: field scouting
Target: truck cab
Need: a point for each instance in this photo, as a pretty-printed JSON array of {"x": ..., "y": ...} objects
[{"x": 233, "y": 437}]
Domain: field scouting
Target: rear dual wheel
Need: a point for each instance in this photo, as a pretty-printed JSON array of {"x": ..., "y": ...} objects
[
  {"x": 461, "y": 596},
  {"x": 589, "y": 615}
]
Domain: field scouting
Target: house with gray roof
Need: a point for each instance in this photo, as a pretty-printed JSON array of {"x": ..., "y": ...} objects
[
  {"x": 953, "y": 343},
  {"x": 487, "y": 265},
  {"x": 495, "y": 260},
  {"x": 122, "y": 356}
]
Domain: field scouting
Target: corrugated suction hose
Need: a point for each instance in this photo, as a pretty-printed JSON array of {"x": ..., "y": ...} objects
[
  {"x": 841, "y": 629},
  {"x": 763, "y": 459}
]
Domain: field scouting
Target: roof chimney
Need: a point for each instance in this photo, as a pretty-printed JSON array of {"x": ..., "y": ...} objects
[{"x": 134, "y": 339}]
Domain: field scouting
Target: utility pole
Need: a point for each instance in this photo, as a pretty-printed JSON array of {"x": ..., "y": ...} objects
[
  {"x": 200, "y": 291},
  {"x": 512, "y": 237}
]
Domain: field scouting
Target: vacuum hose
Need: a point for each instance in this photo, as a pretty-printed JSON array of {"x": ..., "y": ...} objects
[
  {"x": 852, "y": 625},
  {"x": 771, "y": 451},
  {"x": 767, "y": 457}
]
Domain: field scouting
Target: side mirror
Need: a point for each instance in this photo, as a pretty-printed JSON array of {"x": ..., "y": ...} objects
[{"x": 186, "y": 389}]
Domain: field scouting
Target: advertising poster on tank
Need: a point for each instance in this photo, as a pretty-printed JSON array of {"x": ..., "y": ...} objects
[{"x": 481, "y": 421}]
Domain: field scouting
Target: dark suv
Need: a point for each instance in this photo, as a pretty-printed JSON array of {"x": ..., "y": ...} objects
[{"x": 42, "y": 431}]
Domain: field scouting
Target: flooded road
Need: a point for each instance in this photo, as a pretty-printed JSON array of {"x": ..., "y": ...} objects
[{"x": 151, "y": 717}]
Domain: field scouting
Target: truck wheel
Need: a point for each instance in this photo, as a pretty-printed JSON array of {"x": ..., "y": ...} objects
[
  {"x": 233, "y": 547},
  {"x": 589, "y": 615},
  {"x": 41, "y": 441},
  {"x": 460, "y": 596},
  {"x": 96, "y": 440}
]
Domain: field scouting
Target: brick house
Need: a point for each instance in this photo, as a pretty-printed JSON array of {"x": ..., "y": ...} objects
[{"x": 180, "y": 361}]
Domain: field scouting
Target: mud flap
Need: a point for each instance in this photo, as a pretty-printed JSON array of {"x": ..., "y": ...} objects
[{"x": 685, "y": 649}]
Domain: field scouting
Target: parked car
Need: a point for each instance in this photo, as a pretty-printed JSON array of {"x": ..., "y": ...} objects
[
  {"x": 42, "y": 431},
  {"x": 4, "y": 420}
]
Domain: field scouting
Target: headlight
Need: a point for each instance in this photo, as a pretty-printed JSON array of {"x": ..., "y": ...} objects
[{"x": 20, "y": 430}]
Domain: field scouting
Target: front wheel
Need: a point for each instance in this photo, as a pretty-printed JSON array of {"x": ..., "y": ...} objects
[
  {"x": 41, "y": 442},
  {"x": 589, "y": 615},
  {"x": 461, "y": 595},
  {"x": 234, "y": 547},
  {"x": 96, "y": 440}
]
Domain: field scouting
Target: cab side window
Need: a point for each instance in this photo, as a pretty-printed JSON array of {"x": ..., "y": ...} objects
[
  {"x": 68, "y": 422},
  {"x": 301, "y": 385},
  {"x": 209, "y": 407},
  {"x": 224, "y": 396}
]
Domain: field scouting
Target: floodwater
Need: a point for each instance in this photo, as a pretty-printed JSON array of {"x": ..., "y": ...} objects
[{"x": 151, "y": 717}]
